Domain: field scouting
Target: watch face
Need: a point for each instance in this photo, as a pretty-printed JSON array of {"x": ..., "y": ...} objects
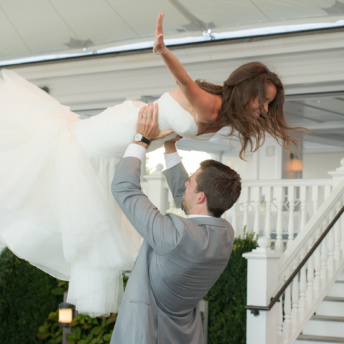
[{"x": 138, "y": 137}]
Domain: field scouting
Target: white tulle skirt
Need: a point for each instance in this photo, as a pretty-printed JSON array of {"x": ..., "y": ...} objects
[{"x": 56, "y": 207}]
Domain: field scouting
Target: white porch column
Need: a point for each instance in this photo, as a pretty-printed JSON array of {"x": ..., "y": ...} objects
[
  {"x": 262, "y": 282},
  {"x": 155, "y": 188}
]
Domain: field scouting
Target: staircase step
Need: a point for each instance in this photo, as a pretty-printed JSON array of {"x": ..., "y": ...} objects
[
  {"x": 334, "y": 298},
  {"x": 337, "y": 289},
  {"x": 318, "y": 339},
  {"x": 331, "y": 306},
  {"x": 341, "y": 275},
  {"x": 327, "y": 318},
  {"x": 320, "y": 325}
]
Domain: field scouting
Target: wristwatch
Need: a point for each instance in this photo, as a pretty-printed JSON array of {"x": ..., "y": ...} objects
[{"x": 140, "y": 138}]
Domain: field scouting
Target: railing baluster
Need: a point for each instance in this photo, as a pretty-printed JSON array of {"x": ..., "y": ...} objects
[
  {"x": 303, "y": 193},
  {"x": 338, "y": 241},
  {"x": 245, "y": 200},
  {"x": 303, "y": 287},
  {"x": 295, "y": 302},
  {"x": 291, "y": 202},
  {"x": 256, "y": 203},
  {"x": 287, "y": 315},
  {"x": 315, "y": 198},
  {"x": 331, "y": 261},
  {"x": 280, "y": 321},
  {"x": 268, "y": 199},
  {"x": 234, "y": 219},
  {"x": 317, "y": 265},
  {"x": 279, "y": 229},
  {"x": 324, "y": 256},
  {"x": 327, "y": 191},
  {"x": 310, "y": 277}
]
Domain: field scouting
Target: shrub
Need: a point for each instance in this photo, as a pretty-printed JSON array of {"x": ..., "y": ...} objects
[
  {"x": 26, "y": 298},
  {"x": 227, "y": 314},
  {"x": 227, "y": 298},
  {"x": 84, "y": 329}
]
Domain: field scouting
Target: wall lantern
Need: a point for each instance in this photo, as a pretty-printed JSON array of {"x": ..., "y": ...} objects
[
  {"x": 294, "y": 164},
  {"x": 66, "y": 314}
]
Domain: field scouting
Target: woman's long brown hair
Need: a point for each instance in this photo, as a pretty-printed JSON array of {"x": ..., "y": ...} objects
[{"x": 244, "y": 84}]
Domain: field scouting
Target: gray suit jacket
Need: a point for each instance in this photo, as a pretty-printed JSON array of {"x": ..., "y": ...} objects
[{"x": 179, "y": 261}]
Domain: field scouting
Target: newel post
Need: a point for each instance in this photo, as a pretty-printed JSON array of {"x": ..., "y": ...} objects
[
  {"x": 155, "y": 188},
  {"x": 262, "y": 283},
  {"x": 338, "y": 174}
]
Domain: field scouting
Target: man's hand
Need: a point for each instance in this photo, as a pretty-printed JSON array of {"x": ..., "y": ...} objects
[
  {"x": 147, "y": 123},
  {"x": 171, "y": 145}
]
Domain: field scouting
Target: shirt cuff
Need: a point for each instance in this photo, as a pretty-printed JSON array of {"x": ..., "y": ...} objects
[
  {"x": 135, "y": 151},
  {"x": 172, "y": 159}
]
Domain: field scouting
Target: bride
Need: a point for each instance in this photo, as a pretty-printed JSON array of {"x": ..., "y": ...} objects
[{"x": 56, "y": 207}]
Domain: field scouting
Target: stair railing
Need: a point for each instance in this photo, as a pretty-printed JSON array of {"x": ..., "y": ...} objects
[
  {"x": 302, "y": 276},
  {"x": 255, "y": 309}
]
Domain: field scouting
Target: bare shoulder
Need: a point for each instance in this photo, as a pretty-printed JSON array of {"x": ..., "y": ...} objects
[
  {"x": 179, "y": 97},
  {"x": 203, "y": 128}
]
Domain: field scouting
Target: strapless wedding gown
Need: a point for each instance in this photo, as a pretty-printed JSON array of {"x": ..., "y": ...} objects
[{"x": 56, "y": 207}]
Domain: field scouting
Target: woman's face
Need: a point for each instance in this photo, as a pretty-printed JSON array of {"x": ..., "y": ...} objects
[{"x": 254, "y": 105}]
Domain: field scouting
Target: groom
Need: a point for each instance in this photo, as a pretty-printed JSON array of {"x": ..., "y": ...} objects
[{"x": 180, "y": 258}]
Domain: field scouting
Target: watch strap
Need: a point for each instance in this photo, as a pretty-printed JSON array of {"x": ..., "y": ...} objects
[{"x": 144, "y": 140}]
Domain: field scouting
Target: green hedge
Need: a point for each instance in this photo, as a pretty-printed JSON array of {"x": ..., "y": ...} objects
[
  {"x": 84, "y": 329},
  {"x": 26, "y": 297},
  {"x": 227, "y": 298},
  {"x": 227, "y": 314}
]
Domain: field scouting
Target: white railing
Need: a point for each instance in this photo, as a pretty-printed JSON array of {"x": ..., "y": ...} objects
[
  {"x": 285, "y": 320},
  {"x": 288, "y": 216},
  {"x": 277, "y": 209},
  {"x": 310, "y": 286},
  {"x": 268, "y": 269}
]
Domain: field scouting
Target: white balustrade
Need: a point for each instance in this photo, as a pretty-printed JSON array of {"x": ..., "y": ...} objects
[
  {"x": 313, "y": 204},
  {"x": 278, "y": 209},
  {"x": 275, "y": 209},
  {"x": 292, "y": 214},
  {"x": 319, "y": 272}
]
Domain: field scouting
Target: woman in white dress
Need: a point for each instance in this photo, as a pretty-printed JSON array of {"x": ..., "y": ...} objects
[{"x": 56, "y": 207}]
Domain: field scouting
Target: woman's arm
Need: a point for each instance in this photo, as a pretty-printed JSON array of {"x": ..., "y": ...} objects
[{"x": 205, "y": 104}]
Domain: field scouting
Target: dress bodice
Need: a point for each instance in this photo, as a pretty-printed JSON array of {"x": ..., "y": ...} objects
[{"x": 110, "y": 132}]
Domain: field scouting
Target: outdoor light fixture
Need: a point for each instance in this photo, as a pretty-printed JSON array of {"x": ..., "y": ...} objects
[
  {"x": 66, "y": 314},
  {"x": 294, "y": 164}
]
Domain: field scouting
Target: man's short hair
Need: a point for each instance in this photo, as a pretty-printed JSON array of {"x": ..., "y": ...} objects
[{"x": 221, "y": 185}]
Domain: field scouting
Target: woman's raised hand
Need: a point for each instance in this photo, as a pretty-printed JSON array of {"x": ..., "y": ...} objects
[{"x": 159, "y": 45}]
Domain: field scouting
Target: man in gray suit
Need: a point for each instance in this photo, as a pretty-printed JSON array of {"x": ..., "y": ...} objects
[{"x": 180, "y": 258}]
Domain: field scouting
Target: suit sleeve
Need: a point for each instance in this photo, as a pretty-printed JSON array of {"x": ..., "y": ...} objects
[
  {"x": 176, "y": 178},
  {"x": 162, "y": 232}
]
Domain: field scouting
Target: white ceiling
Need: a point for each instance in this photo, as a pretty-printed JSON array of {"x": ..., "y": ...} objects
[
  {"x": 44, "y": 30},
  {"x": 48, "y": 27}
]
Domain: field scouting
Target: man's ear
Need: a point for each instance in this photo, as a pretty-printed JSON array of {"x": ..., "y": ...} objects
[{"x": 201, "y": 198}]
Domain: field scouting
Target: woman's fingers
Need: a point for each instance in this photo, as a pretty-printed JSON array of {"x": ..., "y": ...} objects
[
  {"x": 159, "y": 34},
  {"x": 159, "y": 29}
]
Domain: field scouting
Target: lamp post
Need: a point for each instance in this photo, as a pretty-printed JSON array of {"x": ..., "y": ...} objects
[{"x": 66, "y": 315}]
